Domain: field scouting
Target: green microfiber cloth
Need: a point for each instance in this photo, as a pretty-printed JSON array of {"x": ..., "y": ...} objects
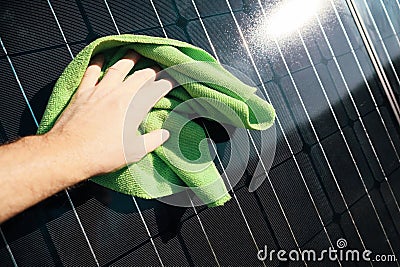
[{"x": 221, "y": 87}]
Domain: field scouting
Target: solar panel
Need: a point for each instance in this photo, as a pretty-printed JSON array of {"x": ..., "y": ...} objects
[{"x": 336, "y": 169}]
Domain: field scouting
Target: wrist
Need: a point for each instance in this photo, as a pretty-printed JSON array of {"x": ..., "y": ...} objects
[{"x": 67, "y": 156}]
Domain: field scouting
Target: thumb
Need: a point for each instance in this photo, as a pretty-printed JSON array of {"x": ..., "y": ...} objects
[{"x": 154, "y": 139}]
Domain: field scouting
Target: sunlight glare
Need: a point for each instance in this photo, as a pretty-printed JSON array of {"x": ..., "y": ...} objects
[{"x": 290, "y": 16}]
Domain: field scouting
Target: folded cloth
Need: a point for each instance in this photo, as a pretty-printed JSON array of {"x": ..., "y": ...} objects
[{"x": 163, "y": 172}]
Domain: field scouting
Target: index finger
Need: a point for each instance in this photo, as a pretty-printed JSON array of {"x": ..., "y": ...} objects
[{"x": 117, "y": 72}]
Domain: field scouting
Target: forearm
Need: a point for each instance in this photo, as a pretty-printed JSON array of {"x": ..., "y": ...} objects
[{"x": 34, "y": 168}]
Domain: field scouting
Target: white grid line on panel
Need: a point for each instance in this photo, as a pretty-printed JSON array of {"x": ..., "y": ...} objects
[{"x": 8, "y": 248}]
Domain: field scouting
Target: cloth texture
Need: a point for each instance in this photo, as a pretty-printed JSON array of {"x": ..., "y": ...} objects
[{"x": 163, "y": 172}]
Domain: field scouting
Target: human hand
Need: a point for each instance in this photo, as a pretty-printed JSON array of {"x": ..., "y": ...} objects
[{"x": 92, "y": 125}]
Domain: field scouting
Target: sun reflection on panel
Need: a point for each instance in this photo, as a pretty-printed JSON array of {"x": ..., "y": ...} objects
[{"x": 288, "y": 17}]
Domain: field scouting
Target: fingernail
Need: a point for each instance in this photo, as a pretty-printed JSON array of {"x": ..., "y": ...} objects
[{"x": 164, "y": 135}]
